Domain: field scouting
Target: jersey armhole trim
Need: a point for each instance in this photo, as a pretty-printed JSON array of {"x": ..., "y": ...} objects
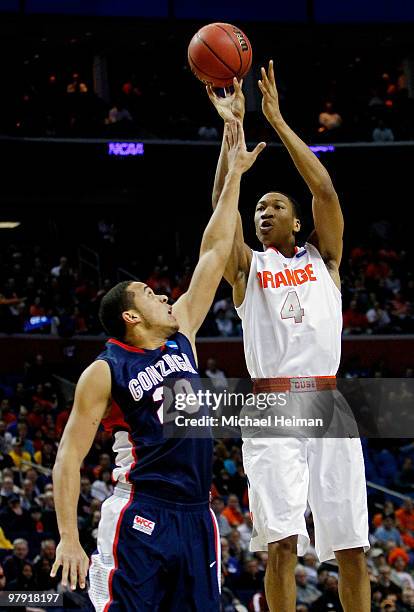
[
  {"x": 243, "y": 304},
  {"x": 311, "y": 246}
]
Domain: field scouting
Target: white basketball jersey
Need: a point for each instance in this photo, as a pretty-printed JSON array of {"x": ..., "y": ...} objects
[{"x": 291, "y": 315}]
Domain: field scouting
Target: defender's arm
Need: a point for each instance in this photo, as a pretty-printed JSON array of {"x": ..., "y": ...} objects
[
  {"x": 92, "y": 396},
  {"x": 192, "y": 308},
  {"x": 238, "y": 265}
]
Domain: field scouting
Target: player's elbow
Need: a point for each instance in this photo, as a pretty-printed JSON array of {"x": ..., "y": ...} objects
[{"x": 325, "y": 190}]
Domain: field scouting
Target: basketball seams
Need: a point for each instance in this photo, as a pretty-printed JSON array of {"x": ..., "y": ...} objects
[
  {"x": 215, "y": 54},
  {"x": 235, "y": 44},
  {"x": 204, "y": 72}
]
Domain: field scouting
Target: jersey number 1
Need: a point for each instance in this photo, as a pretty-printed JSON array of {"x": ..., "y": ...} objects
[{"x": 291, "y": 308}]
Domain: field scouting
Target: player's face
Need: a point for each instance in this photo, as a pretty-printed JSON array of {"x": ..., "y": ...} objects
[
  {"x": 274, "y": 219},
  {"x": 154, "y": 310}
]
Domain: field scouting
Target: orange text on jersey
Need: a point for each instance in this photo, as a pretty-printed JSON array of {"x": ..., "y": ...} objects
[{"x": 286, "y": 278}]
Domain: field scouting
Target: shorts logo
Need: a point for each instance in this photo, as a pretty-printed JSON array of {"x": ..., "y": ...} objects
[
  {"x": 143, "y": 524},
  {"x": 299, "y": 385}
]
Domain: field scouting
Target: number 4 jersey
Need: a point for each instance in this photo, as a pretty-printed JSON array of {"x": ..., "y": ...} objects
[
  {"x": 177, "y": 469},
  {"x": 291, "y": 315}
]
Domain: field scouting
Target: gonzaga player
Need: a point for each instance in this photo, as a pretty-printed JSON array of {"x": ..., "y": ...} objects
[
  {"x": 157, "y": 539},
  {"x": 290, "y": 304}
]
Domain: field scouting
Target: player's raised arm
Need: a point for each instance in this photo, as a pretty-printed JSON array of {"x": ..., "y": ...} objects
[
  {"x": 231, "y": 107},
  {"x": 192, "y": 308},
  {"x": 92, "y": 395},
  {"x": 327, "y": 213}
]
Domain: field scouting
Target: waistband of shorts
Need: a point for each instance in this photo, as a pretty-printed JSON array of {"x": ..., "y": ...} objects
[
  {"x": 295, "y": 384},
  {"x": 124, "y": 490}
]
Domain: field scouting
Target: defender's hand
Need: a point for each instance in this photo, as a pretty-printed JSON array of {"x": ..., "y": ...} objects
[
  {"x": 74, "y": 561},
  {"x": 270, "y": 100},
  {"x": 232, "y": 106},
  {"x": 240, "y": 159}
]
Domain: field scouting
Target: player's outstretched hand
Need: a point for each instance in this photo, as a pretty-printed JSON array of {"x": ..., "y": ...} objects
[
  {"x": 74, "y": 561},
  {"x": 270, "y": 100},
  {"x": 232, "y": 106},
  {"x": 240, "y": 159}
]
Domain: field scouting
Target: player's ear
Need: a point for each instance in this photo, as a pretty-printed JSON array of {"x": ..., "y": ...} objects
[
  {"x": 131, "y": 317},
  {"x": 296, "y": 226}
]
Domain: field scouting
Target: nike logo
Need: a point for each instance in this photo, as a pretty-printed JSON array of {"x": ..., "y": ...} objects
[{"x": 211, "y": 564}]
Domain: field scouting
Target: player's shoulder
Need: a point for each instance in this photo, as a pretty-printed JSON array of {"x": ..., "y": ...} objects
[{"x": 95, "y": 378}]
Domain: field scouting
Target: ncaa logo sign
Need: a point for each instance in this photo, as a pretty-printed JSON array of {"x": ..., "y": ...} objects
[{"x": 143, "y": 524}]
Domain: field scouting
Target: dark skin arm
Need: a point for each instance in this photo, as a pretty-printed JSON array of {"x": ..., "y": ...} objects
[{"x": 327, "y": 214}]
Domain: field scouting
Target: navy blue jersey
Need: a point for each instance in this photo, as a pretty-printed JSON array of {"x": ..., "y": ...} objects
[{"x": 169, "y": 468}]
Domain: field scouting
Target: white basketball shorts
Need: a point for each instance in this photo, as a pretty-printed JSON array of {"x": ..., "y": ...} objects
[{"x": 285, "y": 474}]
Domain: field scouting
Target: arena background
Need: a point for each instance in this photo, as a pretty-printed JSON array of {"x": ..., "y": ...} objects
[{"x": 69, "y": 71}]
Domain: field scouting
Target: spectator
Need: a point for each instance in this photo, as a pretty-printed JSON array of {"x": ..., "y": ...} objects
[
  {"x": 232, "y": 512},
  {"x": 25, "y": 581},
  {"x": 407, "y": 600},
  {"x": 8, "y": 489},
  {"x": 404, "y": 481},
  {"x": 251, "y": 578},
  {"x": 28, "y": 496},
  {"x": 104, "y": 464},
  {"x": 14, "y": 520},
  {"x": 387, "y": 532},
  {"x": 305, "y": 593},
  {"x": 76, "y": 86},
  {"x": 6, "y": 412},
  {"x": 378, "y": 318},
  {"x": 103, "y": 488},
  {"x": 310, "y": 563},
  {"x": 231, "y": 564},
  {"x": 217, "y": 376},
  {"x": 119, "y": 114},
  {"x": 354, "y": 321},
  {"x": 245, "y": 530},
  {"x": 405, "y": 515},
  {"x": 229, "y": 603},
  {"x": 329, "y": 119},
  {"x": 13, "y": 564},
  {"x": 329, "y": 600},
  {"x": 382, "y": 133},
  {"x": 62, "y": 269},
  {"x": 19, "y": 455},
  {"x": 224, "y": 324},
  {"x": 208, "y": 132},
  {"x": 399, "y": 573},
  {"x": 385, "y": 585},
  {"x": 22, "y": 433},
  {"x": 5, "y": 440},
  {"x": 85, "y": 497},
  {"x": 217, "y": 505},
  {"x": 43, "y": 565}
]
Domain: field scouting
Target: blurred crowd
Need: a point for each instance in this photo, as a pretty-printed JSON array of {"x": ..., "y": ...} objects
[
  {"x": 50, "y": 294},
  {"x": 34, "y": 409},
  {"x": 75, "y": 88}
]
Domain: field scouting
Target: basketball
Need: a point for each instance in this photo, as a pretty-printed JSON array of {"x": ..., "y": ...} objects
[{"x": 218, "y": 52}]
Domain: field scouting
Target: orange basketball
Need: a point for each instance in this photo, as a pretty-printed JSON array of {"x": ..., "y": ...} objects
[{"x": 219, "y": 52}]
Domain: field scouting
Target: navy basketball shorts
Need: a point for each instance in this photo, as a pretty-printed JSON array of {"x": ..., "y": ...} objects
[{"x": 155, "y": 555}]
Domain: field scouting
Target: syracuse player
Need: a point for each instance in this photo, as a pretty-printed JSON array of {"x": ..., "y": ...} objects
[{"x": 289, "y": 300}]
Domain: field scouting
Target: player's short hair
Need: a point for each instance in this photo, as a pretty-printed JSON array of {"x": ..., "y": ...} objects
[
  {"x": 113, "y": 304},
  {"x": 297, "y": 212}
]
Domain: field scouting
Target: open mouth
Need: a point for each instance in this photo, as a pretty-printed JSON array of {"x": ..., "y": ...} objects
[{"x": 266, "y": 226}]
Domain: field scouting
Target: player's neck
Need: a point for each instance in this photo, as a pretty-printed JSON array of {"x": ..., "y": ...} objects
[
  {"x": 146, "y": 339},
  {"x": 286, "y": 248}
]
